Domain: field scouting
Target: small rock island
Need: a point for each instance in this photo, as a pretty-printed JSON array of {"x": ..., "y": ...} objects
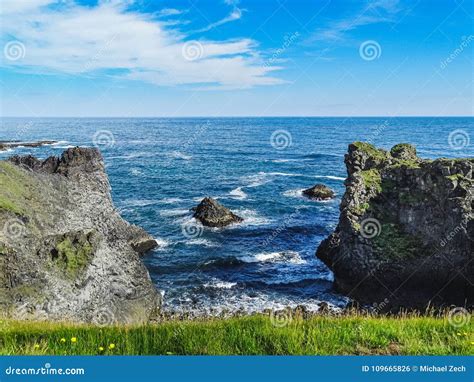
[
  {"x": 319, "y": 192},
  {"x": 213, "y": 214}
]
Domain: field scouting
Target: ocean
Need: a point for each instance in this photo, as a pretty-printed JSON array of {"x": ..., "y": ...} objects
[{"x": 159, "y": 168}]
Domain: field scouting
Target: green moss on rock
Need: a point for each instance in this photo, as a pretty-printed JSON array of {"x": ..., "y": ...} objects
[
  {"x": 371, "y": 150},
  {"x": 73, "y": 255},
  {"x": 360, "y": 209},
  {"x": 392, "y": 243},
  {"x": 15, "y": 188},
  {"x": 372, "y": 179}
]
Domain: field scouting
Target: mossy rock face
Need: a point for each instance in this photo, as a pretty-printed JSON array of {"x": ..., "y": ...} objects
[
  {"x": 393, "y": 244},
  {"x": 65, "y": 252},
  {"x": 371, "y": 150},
  {"x": 372, "y": 179},
  {"x": 404, "y": 151},
  {"x": 15, "y": 189},
  {"x": 73, "y": 253},
  {"x": 414, "y": 207}
]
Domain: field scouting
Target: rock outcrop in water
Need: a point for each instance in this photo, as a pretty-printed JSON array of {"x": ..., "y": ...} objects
[
  {"x": 212, "y": 214},
  {"x": 319, "y": 192},
  {"x": 6, "y": 145},
  {"x": 65, "y": 253},
  {"x": 405, "y": 233}
]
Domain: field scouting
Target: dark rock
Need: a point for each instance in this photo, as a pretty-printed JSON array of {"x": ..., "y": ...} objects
[
  {"x": 5, "y": 145},
  {"x": 404, "y": 151},
  {"x": 140, "y": 240},
  {"x": 212, "y": 214},
  {"x": 405, "y": 232},
  {"x": 319, "y": 192}
]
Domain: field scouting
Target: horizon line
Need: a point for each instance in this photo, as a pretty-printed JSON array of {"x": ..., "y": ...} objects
[{"x": 248, "y": 116}]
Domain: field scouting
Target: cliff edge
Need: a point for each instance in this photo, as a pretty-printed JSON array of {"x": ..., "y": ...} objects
[
  {"x": 405, "y": 233},
  {"x": 65, "y": 253}
]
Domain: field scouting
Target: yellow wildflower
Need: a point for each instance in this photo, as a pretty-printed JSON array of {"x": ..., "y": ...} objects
[
  {"x": 62, "y": 340},
  {"x": 73, "y": 340},
  {"x": 101, "y": 348},
  {"x": 112, "y": 346},
  {"x": 37, "y": 346}
]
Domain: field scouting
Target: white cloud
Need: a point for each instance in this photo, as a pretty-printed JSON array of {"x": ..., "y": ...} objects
[
  {"x": 376, "y": 11},
  {"x": 236, "y": 14},
  {"x": 74, "y": 39}
]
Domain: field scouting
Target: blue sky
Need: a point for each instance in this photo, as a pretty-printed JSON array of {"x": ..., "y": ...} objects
[{"x": 236, "y": 58}]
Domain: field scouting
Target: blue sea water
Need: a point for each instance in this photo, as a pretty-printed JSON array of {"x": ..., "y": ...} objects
[{"x": 160, "y": 168}]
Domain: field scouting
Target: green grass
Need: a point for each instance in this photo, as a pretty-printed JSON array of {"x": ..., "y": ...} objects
[
  {"x": 372, "y": 179},
  {"x": 323, "y": 335}
]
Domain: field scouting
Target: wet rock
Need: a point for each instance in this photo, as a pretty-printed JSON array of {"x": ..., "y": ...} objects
[
  {"x": 212, "y": 214},
  {"x": 319, "y": 192},
  {"x": 5, "y": 145},
  {"x": 140, "y": 240}
]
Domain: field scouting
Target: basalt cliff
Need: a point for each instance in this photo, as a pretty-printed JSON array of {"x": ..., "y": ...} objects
[
  {"x": 65, "y": 252},
  {"x": 405, "y": 233}
]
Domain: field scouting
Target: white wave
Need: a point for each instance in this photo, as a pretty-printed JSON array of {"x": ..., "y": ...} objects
[
  {"x": 174, "y": 212},
  {"x": 180, "y": 155},
  {"x": 137, "y": 202},
  {"x": 329, "y": 177},
  {"x": 170, "y": 200},
  {"x": 203, "y": 242},
  {"x": 283, "y": 174},
  {"x": 297, "y": 193},
  {"x": 219, "y": 284},
  {"x": 162, "y": 243},
  {"x": 256, "y": 180},
  {"x": 292, "y": 257},
  {"x": 238, "y": 193},
  {"x": 234, "y": 301},
  {"x": 136, "y": 172},
  {"x": 60, "y": 143},
  {"x": 262, "y": 178},
  {"x": 251, "y": 218},
  {"x": 284, "y": 160}
]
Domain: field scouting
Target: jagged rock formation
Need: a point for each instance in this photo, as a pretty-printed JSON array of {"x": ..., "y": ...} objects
[
  {"x": 212, "y": 214},
  {"x": 319, "y": 192},
  {"x": 5, "y": 145},
  {"x": 405, "y": 233},
  {"x": 65, "y": 253}
]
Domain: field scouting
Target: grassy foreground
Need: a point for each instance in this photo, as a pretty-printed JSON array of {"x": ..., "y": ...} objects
[{"x": 350, "y": 334}]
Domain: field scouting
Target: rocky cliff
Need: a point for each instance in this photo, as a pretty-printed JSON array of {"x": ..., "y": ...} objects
[
  {"x": 65, "y": 253},
  {"x": 405, "y": 233}
]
